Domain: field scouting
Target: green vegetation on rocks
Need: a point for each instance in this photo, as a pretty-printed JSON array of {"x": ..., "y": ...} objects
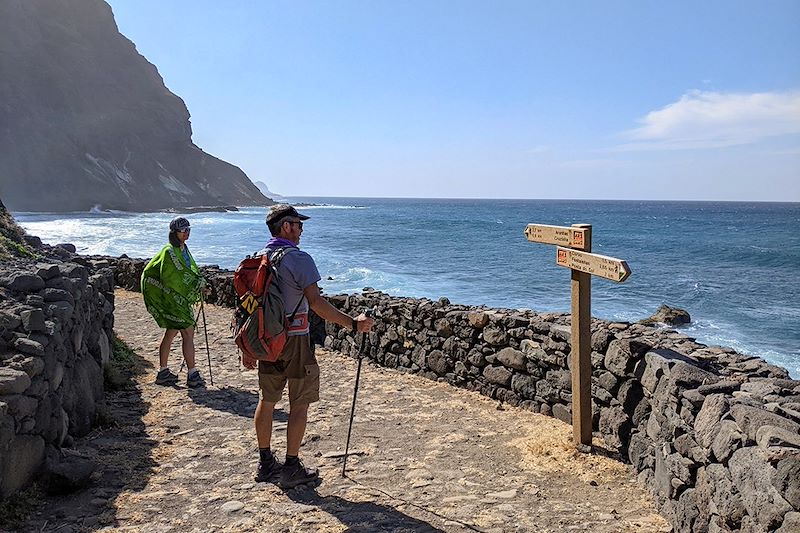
[
  {"x": 11, "y": 242},
  {"x": 122, "y": 367}
]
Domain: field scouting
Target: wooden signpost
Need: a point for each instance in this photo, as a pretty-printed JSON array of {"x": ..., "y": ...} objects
[{"x": 574, "y": 252}]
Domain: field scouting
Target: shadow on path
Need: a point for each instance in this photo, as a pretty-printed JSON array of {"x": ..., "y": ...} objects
[
  {"x": 232, "y": 400},
  {"x": 120, "y": 449},
  {"x": 362, "y": 517}
]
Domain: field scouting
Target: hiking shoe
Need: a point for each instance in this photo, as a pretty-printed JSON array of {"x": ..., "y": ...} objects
[
  {"x": 268, "y": 470},
  {"x": 195, "y": 380},
  {"x": 297, "y": 474},
  {"x": 166, "y": 377}
]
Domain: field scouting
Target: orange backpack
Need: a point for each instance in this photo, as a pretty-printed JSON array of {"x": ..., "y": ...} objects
[{"x": 260, "y": 324}]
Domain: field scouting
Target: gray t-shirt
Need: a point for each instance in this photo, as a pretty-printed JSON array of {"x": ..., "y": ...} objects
[{"x": 296, "y": 271}]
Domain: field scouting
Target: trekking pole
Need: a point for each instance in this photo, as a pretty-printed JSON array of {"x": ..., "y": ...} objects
[
  {"x": 368, "y": 313},
  {"x": 205, "y": 332}
]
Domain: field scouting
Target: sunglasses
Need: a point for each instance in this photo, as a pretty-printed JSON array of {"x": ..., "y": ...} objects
[
  {"x": 185, "y": 230},
  {"x": 298, "y": 222}
]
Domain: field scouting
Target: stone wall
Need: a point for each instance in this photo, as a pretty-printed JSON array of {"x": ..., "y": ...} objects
[
  {"x": 714, "y": 434},
  {"x": 56, "y": 322}
]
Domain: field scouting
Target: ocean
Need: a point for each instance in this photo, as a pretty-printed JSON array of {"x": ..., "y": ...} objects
[{"x": 733, "y": 266}]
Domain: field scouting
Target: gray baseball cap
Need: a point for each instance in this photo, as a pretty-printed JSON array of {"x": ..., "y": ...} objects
[{"x": 277, "y": 212}]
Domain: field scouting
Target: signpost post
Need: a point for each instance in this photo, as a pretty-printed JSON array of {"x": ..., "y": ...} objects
[{"x": 574, "y": 252}]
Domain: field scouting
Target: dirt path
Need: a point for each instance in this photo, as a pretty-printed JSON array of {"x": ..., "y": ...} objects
[{"x": 430, "y": 457}]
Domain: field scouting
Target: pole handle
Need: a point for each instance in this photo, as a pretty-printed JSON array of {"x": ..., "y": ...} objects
[{"x": 369, "y": 312}]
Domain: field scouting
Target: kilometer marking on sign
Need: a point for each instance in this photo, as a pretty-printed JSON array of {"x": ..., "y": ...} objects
[
  {"x": 594, "y": 264},
  {"x": 559, "y": 235}
]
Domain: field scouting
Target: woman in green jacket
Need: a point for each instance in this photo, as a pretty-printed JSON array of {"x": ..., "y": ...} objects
[{"x": 171, "y": 285}]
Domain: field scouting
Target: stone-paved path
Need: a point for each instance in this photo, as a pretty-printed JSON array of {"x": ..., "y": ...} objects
[{"x": 430, "y": 457}]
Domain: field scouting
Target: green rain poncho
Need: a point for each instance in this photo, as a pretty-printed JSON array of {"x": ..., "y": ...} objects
[{"x": 171, "y": 287}]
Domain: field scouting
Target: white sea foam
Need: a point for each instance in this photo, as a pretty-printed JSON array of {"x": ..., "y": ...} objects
[{"x": 302, "y": 207}]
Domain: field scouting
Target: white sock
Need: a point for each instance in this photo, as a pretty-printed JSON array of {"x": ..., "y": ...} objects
[
  {"x": 164, "y": 368},
  {"x": 192, "y": 370}
]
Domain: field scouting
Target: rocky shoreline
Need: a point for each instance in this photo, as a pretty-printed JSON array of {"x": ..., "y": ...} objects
[{"x": 713, "y": 434}]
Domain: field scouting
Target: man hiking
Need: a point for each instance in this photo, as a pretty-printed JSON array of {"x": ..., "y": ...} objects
[{"x": 297, "y": 365}]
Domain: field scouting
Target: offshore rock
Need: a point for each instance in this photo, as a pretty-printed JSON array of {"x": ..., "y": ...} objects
[{"x": 671, "y": 316}]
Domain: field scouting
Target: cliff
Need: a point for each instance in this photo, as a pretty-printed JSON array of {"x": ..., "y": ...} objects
[
  {"x": 264, "y": 188},
  {"x": 85, "y": 120}
]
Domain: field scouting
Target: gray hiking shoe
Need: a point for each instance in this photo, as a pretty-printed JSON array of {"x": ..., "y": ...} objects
[
  {"x": 166, "y": 377},
  {"x": 195, "y": 380},
  {"x": 268, "y": 470},
  {"x": 296, "y": 474}
]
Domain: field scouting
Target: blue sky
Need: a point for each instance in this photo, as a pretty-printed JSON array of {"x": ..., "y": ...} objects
[{"x": 504, "y": 99}]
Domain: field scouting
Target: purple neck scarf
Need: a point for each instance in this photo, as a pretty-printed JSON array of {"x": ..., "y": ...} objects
[{"x": 278, "y": 242}]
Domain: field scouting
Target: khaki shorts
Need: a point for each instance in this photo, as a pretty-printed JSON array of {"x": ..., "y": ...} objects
[{"x": 298, "y": 366}]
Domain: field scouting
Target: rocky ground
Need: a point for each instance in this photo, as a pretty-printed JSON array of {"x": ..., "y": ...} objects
[{"x": 427, "y": 457}]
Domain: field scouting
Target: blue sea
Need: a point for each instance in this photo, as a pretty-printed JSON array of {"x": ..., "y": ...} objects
[{"x": 734, "y": 266}]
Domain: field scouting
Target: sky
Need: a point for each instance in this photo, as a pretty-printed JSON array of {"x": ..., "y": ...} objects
[{"x": 613, "y": 99}]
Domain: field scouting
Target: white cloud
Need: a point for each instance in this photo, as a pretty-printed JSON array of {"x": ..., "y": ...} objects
[{"x": 703, "y": 119}]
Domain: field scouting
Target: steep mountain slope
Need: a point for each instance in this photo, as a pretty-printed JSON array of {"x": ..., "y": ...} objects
[
  {"x": 85, "y": 120},
  {"x": 266, "y": 192}
]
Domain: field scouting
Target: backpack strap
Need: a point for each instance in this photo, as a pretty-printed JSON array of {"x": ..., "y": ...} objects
[
  {"x": 276, "y": 255},
  {"x": 275, "y": 259},
  {"x": 291, "y": 317}
]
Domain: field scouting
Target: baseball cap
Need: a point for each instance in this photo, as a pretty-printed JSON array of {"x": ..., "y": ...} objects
[
  {"x": 179, "y": 224},
  {"x": 277, "y": 212}
]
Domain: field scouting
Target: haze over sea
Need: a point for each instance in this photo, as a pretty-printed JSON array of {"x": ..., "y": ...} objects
[{"x": 734, "y": 266}]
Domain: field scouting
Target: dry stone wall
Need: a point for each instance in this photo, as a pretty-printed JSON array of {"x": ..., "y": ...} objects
[
  {"x": 714, "y": 434},
  {"x": 56, "y": 331}
]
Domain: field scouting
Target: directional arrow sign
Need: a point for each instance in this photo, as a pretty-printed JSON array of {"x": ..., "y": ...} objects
[
  {"x": 594, "y": 264},
  {"x": 564, "y": 236}
]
